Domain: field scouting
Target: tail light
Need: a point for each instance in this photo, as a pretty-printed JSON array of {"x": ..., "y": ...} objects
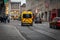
[{"x": 58, "y": 21}]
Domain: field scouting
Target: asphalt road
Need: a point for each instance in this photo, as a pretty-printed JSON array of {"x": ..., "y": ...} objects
[
  {"x": 38, "y": 31},
  {"x": 14, "y": 31},
  {"x": 9, "y": 32}
]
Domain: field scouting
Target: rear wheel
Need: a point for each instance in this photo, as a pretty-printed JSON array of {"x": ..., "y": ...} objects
[
  {"x": 21, "y": 24},
  {"x": 31, "y": 24},
  {"x": 50, "y": 26},
  {"x": 40, "y": 21},
  {"x": 54, "y": 26}
]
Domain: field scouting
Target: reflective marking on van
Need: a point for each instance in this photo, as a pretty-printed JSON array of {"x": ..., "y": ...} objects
[{"x": 27, "y": 20}]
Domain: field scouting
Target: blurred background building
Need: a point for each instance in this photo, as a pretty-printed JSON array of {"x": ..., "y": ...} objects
[
  {"x": 2, "y": 8},
  {"x": 23, "y": 7},
  {"x": 42, "y": 6},
  {"x": 14, "y": 9},
  {"x": 37, "y": 7},
  {"x": 54, "y": 4}
]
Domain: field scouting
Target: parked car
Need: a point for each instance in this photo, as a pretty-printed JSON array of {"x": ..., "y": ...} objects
[
  {"x": 55, "y": 23},
  {"x": 38, "y": 20}
]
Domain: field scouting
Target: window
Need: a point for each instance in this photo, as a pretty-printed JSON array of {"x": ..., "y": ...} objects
[
  {"x": 14, "y": 5},
  {"x": 26, "y": 15}
]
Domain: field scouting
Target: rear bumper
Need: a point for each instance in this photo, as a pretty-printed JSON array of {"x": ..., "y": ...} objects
[
  {"x": 57, "y": 26},
  {"x": 27, "y": 23},
  {"x": 38, "y": 21}
]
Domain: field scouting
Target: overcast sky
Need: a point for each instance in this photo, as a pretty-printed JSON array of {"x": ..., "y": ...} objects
[{"x": 22, "y": 1}]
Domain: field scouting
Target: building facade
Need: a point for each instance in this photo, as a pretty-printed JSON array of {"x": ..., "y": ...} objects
[
  {"x": 2, "y": 8},
  {"x": 54, "y": 4},
  {"x": 14, "y": 8},
  {"x": 37, "y": 7},
  {"x": 23, "y": 7},
  {"x": 42, "y": 6}
]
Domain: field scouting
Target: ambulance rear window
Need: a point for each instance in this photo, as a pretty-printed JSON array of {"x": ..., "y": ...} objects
[{"x": 26, "y": 15}]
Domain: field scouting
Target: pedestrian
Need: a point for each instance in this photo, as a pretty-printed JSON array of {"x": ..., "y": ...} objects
[
  {"x": 8, "y": 19},
  {"x": 4, "y": 19}
]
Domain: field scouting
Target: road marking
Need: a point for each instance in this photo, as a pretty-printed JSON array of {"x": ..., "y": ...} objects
[
  {"x": 20, "y": 34},
  {"x": 46, "y": 33},
  {"x": 16, "y": 31}
]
